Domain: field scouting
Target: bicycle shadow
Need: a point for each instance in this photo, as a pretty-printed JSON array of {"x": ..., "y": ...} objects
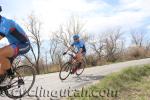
[
  {"x": 84, "y": 78},
  {"x": 90, "y": 77}
]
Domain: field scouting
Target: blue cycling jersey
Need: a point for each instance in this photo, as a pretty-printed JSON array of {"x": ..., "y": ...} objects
[
  {"x": 79, "y": 44},
  {"x": 12, "y": 31}
]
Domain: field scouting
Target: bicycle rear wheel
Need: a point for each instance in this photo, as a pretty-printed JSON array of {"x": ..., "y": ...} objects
[
  {"x": 81, "y": 68},
  {"x": 65, "y": 71},
  {"x": 22, "y": 82}
]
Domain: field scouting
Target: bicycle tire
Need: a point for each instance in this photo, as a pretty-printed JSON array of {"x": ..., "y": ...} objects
[
  {"x": 82, "y": 67},
  {"x": 16, "y": 70},
  {"x": 66, "y": 67}
]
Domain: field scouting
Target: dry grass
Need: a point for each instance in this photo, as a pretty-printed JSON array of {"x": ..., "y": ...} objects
[{"x": 130, "y": 84}]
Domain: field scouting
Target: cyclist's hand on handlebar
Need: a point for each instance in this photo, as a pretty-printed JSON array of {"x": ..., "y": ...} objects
[{"x": 64, "y": 53}]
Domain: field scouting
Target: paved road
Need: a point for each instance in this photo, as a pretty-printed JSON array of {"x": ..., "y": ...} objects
[{"x": 50, "y": 87}]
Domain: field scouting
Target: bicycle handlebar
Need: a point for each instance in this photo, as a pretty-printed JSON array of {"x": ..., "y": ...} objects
[{"x": 71, "y": 51}]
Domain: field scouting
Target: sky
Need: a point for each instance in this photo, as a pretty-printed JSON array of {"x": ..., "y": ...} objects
[{"x": 98, "y": 15}]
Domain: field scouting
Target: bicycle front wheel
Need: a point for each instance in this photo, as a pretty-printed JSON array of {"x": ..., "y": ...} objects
[
  {"x": 65, "y": 71},
  {"x": 22, "y": 82}
]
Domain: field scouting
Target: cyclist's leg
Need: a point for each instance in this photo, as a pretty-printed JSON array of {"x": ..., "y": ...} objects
[
  {"x": 79, "y": 57},
  {"x": 5, "y": 64},
  {"x": 16, "y": 50},
  {"x": 5, "y": 53},
  {"x": 19, "y": 49}
]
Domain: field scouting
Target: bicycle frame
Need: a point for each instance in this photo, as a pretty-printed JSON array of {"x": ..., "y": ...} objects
[
  {"x": 17, "y": 62},
  {"x": 72, "y": 59},
  {"x": 71, "y": 67}
]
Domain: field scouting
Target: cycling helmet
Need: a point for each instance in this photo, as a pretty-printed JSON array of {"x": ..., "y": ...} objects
[
  {"x": 0, "y": 8},
  {"x": 76, "y": 36}
]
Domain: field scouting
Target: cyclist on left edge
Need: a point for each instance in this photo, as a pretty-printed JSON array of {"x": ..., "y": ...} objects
[{"x": 19, "y": 44}]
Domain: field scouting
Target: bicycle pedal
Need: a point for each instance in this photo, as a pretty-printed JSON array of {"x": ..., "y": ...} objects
[
  {"x": 2, "y": 93},
  {"x": 11, "y": 76},
  {"x": 71, "y": 72},
  {"x": 20, "y": 82}
]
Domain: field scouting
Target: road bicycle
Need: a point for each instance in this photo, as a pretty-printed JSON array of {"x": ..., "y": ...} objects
[
  {"x": 71, "y": 67},
  {"x": 22, "y": 80}
]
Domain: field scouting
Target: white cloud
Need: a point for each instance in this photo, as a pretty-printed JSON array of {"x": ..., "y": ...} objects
[
  {"x": 98, "y": 14},
  {"x": 129, "y": 14},
  {"x": 55, "y": 12},
  {"x": 148, "y": 27}
]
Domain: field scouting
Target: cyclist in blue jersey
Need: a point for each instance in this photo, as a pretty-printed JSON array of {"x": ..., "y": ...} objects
[
  {"x": 81, "y": 50},
  {"x": 19, "y": 44}
]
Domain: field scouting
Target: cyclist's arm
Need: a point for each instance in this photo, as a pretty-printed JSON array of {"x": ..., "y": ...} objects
[
  {"x": 17, "y": 32},
  {"x": 1, "y": 37},
  {"x": 70, "y": 48}
]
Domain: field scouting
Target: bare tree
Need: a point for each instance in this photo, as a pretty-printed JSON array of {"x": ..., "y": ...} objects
[
  {"x": 113, "y": 45},
  {"x": 63, "y": 38},
  {"x": 138, "y": 38},
  {"x": 64, "y": 34},
  {"x": 141, "y": 43},
  {"x": 97, "y": 45},
  {"x": 34, "y": 27},
  {"x": 53, "y": 49},
  {"x": 46, "y": 61},
  {"x": 147, "y": 45}
]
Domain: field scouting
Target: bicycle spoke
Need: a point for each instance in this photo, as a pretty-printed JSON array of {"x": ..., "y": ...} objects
[
  {"x": 65, "y": 71},
  {"x": 22, "y": 83},
  {"x": 80, "y": 70}
]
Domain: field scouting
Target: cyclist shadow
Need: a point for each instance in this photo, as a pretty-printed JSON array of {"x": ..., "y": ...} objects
[
  {"x": 90, "y": 77},
  {"x": 86, "y": 78}
]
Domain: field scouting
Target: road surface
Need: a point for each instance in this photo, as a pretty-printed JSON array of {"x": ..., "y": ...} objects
[{"x": 50, "y": 87}]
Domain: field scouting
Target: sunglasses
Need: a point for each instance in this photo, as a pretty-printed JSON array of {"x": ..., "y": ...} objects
[{"x": 75, "y": 38}]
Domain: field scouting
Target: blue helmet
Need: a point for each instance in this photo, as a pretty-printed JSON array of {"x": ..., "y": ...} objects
[
  {"x": 0, "y": 8},
  {"x": 76, "y": 36}
]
